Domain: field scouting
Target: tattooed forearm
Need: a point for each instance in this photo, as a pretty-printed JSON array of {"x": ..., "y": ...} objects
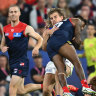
[
  {"x": 76, "y": 41},
  {"x": 77, "y": 29}
]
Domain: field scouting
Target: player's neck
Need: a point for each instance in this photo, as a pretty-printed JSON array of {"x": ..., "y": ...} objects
[{"x": 14, "y": 23}]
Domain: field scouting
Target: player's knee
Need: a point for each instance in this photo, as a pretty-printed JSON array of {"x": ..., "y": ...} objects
[
  {"x": 62, "y": 70},
  {"x": 21, "y": 92}
]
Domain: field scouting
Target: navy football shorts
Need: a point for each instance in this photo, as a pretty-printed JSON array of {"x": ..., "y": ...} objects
[{"x": 20, "y": 68}]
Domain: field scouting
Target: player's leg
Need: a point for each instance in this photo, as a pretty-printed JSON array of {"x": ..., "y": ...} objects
[
  {"x": 61, "y": 67},
  {"x": 69, "y": 52},
  {"x": 48, "y": 84},
  {"x": 14, "y": 83},
  {"x": 27, "y": 88},
  {"x": 2, "y": 90},
  {"x": 58, "y": 87}
]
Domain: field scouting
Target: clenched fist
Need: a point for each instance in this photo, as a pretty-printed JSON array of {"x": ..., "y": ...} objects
[
  {"x": 35, "y": 52},
  {"x": 4, "y": 49}
]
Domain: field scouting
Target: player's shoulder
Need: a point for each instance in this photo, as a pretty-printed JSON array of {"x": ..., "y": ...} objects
[
  {"x": 23, "y": 24},
  {"x": 7, "y": 26},
  {"x": 75, "y": 21}
]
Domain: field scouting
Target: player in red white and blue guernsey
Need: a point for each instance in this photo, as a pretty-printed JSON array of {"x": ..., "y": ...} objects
[{"x": 15, "y": 40}]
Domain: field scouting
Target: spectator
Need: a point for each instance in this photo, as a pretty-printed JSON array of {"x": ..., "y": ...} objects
[
  {"x": 38, "y": 14},
  {"x": 94, "y": 2},
  {"x": 74, "y": 3},
  {"x": 4, "y": 75},
  {"x": 37, "y": 73},
  {"x": 85, "y": 13},
  {"x": 31, "y": 2},
  {"x": 4, "y": 5},
  {"x": 50, "y": 4},
  {"x": 63, "y": 4},
  {"x": 90, "y": 5},
  {"x": 90, "y": 52},
  {"x": 3, "y": 17},
  {"x": 25, "y": 11}
]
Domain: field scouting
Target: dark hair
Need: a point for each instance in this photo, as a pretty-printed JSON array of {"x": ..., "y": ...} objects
[
  {"x": 7, "y": 64},
  {"x": 89, "y": 24},
  {"x": 85, "y": 6},
  {"x": 53, "y": 10},
  {"x": 82, "y": 19},
  {"x": 93, "y": 83}
]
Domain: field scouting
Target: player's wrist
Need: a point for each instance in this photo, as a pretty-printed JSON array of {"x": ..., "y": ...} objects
[{"x": 36, "y": 48}]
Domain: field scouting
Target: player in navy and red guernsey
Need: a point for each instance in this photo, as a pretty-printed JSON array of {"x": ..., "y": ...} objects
[
  {"x": 15, "y": 40},
  {"x": 58, "y": 47}
]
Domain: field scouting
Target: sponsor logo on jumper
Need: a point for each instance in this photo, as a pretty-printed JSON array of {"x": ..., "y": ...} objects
[
  {"x": 12, "y": 30},
  {"x": 6, "y": 34},
  {"x": 17, "y": 34}
]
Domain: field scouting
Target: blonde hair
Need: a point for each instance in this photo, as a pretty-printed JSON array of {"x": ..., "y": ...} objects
[{"x": 53, "y": 10}]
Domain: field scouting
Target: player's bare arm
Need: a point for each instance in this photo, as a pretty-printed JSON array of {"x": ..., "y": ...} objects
[
  {"x": 3, "y": 47},
  {"x": 51, "y": 31},
  {"x": 30, "y": 32},
  {"x": 77, "y": 24},
  {"x": 46, "y": 35},
  {"x": 45, "y": 39}
]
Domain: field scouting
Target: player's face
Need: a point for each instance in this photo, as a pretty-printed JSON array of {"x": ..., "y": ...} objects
[
  {"x": 14, "y": 13},
  {"x": 55, "y": 18},
  {"x": 91, "y": 30},
  {"x": 38, "y": 62},
  {"x": 41, "y": 3}
]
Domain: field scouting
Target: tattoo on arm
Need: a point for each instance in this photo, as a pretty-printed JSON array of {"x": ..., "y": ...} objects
[{"x": 77, "y": 29}]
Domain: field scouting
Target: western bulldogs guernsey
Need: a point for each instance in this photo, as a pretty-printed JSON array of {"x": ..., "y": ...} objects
[
  {"x": 60, "y": 37},
  {"x": 17, "y": 42}
]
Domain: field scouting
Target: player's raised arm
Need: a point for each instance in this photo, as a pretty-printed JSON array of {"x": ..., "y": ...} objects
[
  {"x": 3, "y": 47},
  {"x": 77, "y": 25},
  {"x": 30, "y": 32}
]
